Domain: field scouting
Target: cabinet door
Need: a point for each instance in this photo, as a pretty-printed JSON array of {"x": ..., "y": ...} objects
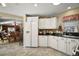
[
  {"x": 71, "y": 45},
  {"x": 50, "y": 38},
  {"x": 68, "y": 46},
  {"x": 27, "y": 35},
  {"x": 54, "y": 42},
  {"x": 62, "y": 44},
  {"x": 53, "y": 22},
  {"x": 48, "y": 23},
  {"x": 41, "y": 23},
  {"x": 43, "y": 41}
]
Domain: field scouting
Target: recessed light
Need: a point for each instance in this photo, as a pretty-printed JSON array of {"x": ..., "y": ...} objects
[
  {"x": 35, "y": 5},
  {"x": 56, "y": 3},
  {"x": 3, "y": 4},
  {"x": 69, "y": 7}
]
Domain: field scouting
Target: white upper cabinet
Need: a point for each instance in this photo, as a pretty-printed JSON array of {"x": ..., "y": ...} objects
[
  {"x": 48, "y": 23},
  {"x": 44, "y": 23},
  {"x": 53, "y": 23}
]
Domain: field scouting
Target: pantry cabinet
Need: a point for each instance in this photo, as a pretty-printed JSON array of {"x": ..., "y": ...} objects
[{"x": 43, "y": 41}]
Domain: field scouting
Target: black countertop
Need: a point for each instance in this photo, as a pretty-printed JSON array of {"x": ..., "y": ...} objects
[
  {"x": 73, "y": 37},
  {"x": 66, "y": 35}
]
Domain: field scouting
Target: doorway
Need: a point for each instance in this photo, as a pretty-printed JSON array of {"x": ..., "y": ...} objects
[{"x": 10, "y": 31}]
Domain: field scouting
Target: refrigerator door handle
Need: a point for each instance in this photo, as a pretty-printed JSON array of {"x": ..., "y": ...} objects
[{"x": 27, "y": 31}]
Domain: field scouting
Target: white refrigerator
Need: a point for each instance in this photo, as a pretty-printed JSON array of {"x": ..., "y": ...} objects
[{"x": 30, "y": 38}]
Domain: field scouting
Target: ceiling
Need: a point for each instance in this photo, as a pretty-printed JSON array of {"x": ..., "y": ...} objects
[{"x": 43, "y": 9}]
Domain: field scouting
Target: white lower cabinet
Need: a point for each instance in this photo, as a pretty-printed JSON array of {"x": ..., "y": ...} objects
[
  {"x": 52, "y": 41},
  {"x": 43, "y": 42},
  {"x": 71, "y": 45},
  {"x": 58, "y": 43},
  {"x": 62, "y": 44},
  {"x": 66, "y": 45},
  {"x": 55, "y": 42}
]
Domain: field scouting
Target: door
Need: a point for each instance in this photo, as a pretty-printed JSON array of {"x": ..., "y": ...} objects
[{"x": 27, "y": 34}]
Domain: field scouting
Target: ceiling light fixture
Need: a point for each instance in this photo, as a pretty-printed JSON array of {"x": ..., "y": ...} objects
[
  {"x": 3, "y": 4},
  {"x": 35, "y": 5},
  {"x": 69, "y": 7},
  {"x": 56, "y": 3}
]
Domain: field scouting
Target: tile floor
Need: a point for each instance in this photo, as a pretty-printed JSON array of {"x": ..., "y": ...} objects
[{"x": 14, "y": 49}]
